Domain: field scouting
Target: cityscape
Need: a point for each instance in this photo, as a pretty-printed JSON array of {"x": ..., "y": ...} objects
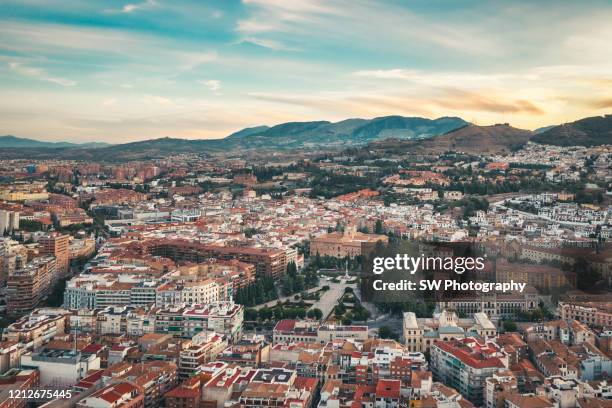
[{"x": 250, "y": 270}]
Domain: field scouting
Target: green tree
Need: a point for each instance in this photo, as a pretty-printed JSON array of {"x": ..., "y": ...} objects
[
  {"x": 385, "y": 332},
  {"x": 378, "y": 228},
  {"x": 509, "y": 326}
]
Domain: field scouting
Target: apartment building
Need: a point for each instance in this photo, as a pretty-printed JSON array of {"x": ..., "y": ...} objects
[
  {"x": 37, "y": 328},
  {"x": 9, "y": 221},
  {"x": 466, "y": 364},
  {"x": 267, "y": 261},
  {"x": 204, "y": 348},
  {"x": 57, "y": 245},
  {"x": 598, "y": 314},
  {"x": 222, "y": 317},
  {"x": 27, "y": 287},
  {"x": 155, "y": 377}
]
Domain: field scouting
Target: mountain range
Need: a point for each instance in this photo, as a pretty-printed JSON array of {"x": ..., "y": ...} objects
[
  {"x": 10, "y": 141},
  {"x": 414, "y": 133}
]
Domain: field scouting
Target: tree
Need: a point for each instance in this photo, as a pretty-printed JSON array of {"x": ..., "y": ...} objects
[
  {"x": 339, "y": 310},
  {"x": 291, "y": 269},
  {"x": 378, "y": 228},
  {"x": 265, "y": 313},
  {"x": 250, "y": 314},
  {"x": 509, "y": 325},
  {"x": 385, "y": 332}
]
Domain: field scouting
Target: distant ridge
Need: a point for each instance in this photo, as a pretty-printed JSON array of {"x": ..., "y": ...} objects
[
  {"x": 10, "y": 141},
  {"x": 472, "y": 139},
  {"x": 591, "y": 131},
  {"x": 284, "y": 136},
  {"x": 393, "y": 133}
]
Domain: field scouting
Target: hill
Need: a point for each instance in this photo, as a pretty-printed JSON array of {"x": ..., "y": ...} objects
[
  {"x": 350, "y": 131},
  {"x": 472, "y": 139},
  {"x": 10, "y": 141},
  {"x": 591, "y": 131}
]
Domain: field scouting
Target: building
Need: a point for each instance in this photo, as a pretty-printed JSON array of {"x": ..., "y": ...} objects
[
  {"x": 342, "y": 244},
  {"x": 275, "y": 387},
  {"x": 224, "y": 318},
  {"x": 17, "y": 380},
  {"x": 37, "y": 328},
  {"x": 498, "y": 387},
  {"x": 155, "y": 377},
  {"x": 539, "y": 276},
  {"x": 203, "y": 349},
  {"x": 466, "y": 364},
  {"x": 119, "y": 395},
  {"x": 267, "y": 261},
  {"x": 186, "y": 395},
  {"x": 9, "y": 221},
  {"x": 57, "y": 245},
  {"x": 495, "y": 305},
  {"x": 245, "y": 179},
  {"x": 246, "y": 352},
  {"x": 598, "y": 314},
  {"x": 224, "y": 383},
  {"x": 294, "y": 331},
  {"x": 60, "y": 367},
  {"x": 421, "y": 333},
  {"x": 27, "y": 287}
]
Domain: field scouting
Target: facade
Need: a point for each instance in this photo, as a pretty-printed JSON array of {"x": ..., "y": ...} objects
[
  {"x": 27, "y": 287},
  {"x": 466, "y": 364},
  {"x": 57, "y": 245},
  {"x": 37, "y": 328},
  {"x": 495, "y": 305},
  {"x": 598, "y": 314},
  {"x": 267, "y": 261},
  {"x": 60, "y": 367},
  {"x": 293, "y": 331},
  {"x": 9, "y": 221},
  {"x": 421, "y": 334},
  {"x": 343, "y": 244}
]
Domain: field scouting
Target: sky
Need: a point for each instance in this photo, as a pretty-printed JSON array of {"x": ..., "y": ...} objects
[{"x": 118, "y": 71}]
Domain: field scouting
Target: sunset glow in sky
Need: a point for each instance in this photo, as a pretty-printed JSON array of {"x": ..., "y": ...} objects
[{"x": 120, "y": 71}]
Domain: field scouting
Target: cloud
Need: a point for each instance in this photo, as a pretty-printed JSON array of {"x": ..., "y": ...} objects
[
  {"x": 109, "y": 102},
  {"x": 157, "y": 100},
  {"x": 271, "y": 44},
  {"x": 132, "y": 7},
  {"x": 212, "y": 84},
  {"x": 390, "y": 27},
  {"x": 458, "y": 99},
  {"x": 602, "y": 103},
  {"x": 39, "y": 74}
]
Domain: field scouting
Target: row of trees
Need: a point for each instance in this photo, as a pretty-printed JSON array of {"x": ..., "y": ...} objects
[
  {"x": 293, "y": 282},
  {"x": 262, "y": 291},
  {"x": 281, "y": 312}
]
